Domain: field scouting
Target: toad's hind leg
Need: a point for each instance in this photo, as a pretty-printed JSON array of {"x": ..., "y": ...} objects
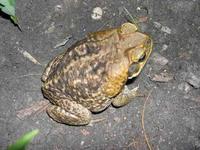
[
  {"x": 125, "y": 97},
  {"x": 69, "y": 112},
  {"x": 50, "y": 66}
]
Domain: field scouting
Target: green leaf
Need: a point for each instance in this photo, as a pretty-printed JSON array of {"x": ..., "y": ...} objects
[
  {"x": 12, "y": 2},
  {"x": 9, "y": 7},
  {"x": 8, "y": 10},
  {"x": 22, "y": 142},
  {"x": 14, "y": 19},
  {"x": 1, "y": 5}
]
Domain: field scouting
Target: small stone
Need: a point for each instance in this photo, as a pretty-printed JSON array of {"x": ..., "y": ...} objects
[
  {"x": 97, "y": 13},
  {"x": 164, "y": 47},
  {"x": 51, "y": 28},
  {"x": 117, "y": 119},
  {"x": 82, "y": 143},
  {"x": 184, "y": 87},
  {"x": 157, "y": 25},
  {"x": 2, "y": 60},
  {"x": 138, "y": 8},
  {"x": 197, "y": 144},
  {"x": 166, "y": 29},
  {"x": 58, "y": 8},
  {"x": 162, "y": 28},
  {"x": 159, "y": 59},
  {"x": 193, "y": 80}
]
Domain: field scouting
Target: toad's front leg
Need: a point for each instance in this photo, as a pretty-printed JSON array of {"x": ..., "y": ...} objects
[
  {"x": 69, "y": 112},
  {"x": 125, "y": 97}
]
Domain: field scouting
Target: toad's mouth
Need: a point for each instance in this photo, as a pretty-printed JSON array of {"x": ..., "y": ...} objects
[{"x": 135, "y": 68}]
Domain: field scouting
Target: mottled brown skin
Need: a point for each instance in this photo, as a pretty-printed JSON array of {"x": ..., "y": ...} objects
[{"x": 92, "y": 74}]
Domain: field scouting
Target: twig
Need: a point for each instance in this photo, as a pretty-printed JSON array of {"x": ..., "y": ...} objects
[
  {"x": 96, "y": 121},
  {"x": 29, "y": 56},
  {"x": 134, "y": 142},
  {"x": 143, "y": 128},
  {"x": 22, "y": 76},
  {"x": 34, "y": 108},
  {"x": 28, "y": 75},
  {"x": 63, "y": 42},
  {"x": 132, "y": 19}
]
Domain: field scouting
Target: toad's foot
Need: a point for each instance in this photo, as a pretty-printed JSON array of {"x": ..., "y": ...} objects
[
  {"x": 125, "y": 96},
  {"x": 69, "y": 112}
]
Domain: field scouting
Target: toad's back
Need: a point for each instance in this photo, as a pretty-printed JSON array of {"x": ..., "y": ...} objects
[{"x": 79, "y": 73}]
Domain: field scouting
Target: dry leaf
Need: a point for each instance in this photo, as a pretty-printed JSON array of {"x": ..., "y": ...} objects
[{"x": 163, "y": 77}]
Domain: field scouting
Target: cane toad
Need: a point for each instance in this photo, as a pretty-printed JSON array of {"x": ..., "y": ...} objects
[{"x": 92, "y": 73}]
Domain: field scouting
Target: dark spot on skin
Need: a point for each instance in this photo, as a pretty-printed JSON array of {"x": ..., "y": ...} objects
[{"x": 90, "y": 48}]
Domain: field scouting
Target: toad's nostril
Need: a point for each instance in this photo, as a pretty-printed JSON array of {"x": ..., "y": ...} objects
[{"x": 149, "y": 42}]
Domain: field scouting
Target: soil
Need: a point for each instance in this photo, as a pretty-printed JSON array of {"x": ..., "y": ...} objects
[{"x": 171, "y": 78}]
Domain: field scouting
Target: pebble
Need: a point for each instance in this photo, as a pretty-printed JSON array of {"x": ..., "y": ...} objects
[
  {"x": 184, "y": 87},
  {"x": 165, "y": 29},
  {"x": 82, "y": 143},
  {"x": 2, "y": 60},
  {"x": 159, "y": 59},
  {"x": 117, "y": 119},
  {"x": 157, "y": 25},
  {"x": 58, "y": 8},
  {"x": 164, "y": 47},
  {"x": 51, "y": 28},
  {"x": 193, "y": 80},
  {"x": 97, "y": 13}
]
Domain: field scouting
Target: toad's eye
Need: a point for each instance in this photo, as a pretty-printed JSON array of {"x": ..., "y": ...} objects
[{"x": 142, "y": 57}]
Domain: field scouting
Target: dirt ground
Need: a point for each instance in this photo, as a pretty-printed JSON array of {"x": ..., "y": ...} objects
[{"x": 171, "y": 78}]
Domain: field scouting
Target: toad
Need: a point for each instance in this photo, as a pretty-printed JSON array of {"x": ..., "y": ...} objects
[{"x": 92, "y": 74}]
